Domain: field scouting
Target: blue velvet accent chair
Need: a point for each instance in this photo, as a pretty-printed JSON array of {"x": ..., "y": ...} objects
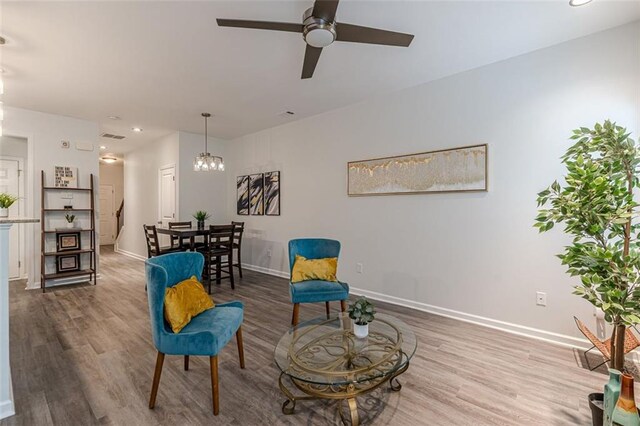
[
  {"x": 315, "y": 290},
  {"x": 205, "y": 335}
]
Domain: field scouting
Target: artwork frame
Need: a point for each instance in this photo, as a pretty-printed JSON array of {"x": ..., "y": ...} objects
[
  {"x": 67, "y": 263},
  {"x": 66, "y": 241},
  {"x": 242, "y": 195},
  {"x": 415, "y": 172},
  {"x": 65, "y": 177},
  {"x": 271, "y": 191},
  {"x": 256, "y": 194}
]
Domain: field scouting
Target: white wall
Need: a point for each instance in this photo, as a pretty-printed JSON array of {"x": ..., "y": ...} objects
[
  {"x": 141, "y": 190},
  {"x": 44, "y": 133},
  {"x": 201, "y": 190},
  {"x": 470, "y": 255}
]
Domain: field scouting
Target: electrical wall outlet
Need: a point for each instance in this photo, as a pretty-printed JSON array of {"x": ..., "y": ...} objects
[
  {"x": 541, "y": 298},
  {"x": 359, "y": 267},
  {"x": 268, "y": 252}
]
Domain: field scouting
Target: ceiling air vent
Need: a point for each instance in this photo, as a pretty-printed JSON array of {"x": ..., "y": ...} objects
[{"x": 111, "y": 136}]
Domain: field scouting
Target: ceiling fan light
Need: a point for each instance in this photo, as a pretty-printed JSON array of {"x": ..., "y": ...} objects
[{"x": 321, "y": 36}]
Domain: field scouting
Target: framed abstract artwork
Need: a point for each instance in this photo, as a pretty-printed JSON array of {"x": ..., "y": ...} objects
[
  {"x": 449, "y": 170},
  {"x": 256, "y": 194},
  {"x": 272, "y": 193},
  {"x": 242, "y": 195}
]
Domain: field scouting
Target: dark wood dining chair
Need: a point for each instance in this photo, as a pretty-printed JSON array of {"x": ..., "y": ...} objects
[
  {"x": 153, "y": 243},
  {"x": 219, "y": 254},
  {"x": 178, "y": 241},
  {"x": 237, "y": 244}
]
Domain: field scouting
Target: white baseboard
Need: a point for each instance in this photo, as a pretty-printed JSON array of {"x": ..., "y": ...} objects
[
  {"x": 129, "y": 254},
  {"x": 267, "y": 271},
  {"x": 520, "y": 330},
  {"x": 6, "y": 409}
]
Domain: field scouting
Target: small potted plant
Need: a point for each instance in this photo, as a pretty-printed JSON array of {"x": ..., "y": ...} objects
[
  {"x": 201, "y": 216},
  {"x": 70, "y": 218},
  {"x": 362, "y": 313},
  {"x": 6, "y": 200}
]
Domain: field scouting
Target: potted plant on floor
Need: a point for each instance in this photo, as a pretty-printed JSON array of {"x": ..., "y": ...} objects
[
  {"x": 597, "y": 208},
  {"x": 362, "y": 313},
  {"x": 6, "y": 201},
  {"x": 200, "y": 216},
  {"x": 70, "y": 219}
]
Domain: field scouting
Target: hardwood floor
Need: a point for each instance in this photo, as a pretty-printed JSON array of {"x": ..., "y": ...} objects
[{"x": 83, "y": 355}]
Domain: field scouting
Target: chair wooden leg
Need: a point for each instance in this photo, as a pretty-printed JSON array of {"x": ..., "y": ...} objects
[
  {"x": 218, "y": 269},
  {"x": 296, "y": 313},
  {"x": 240, "y": 346},
  {"x": 230, "y": 261},
  {"x": 186, "y": 363},
  {"x": 343, "y": 305},
  {"x": 156, "y": 379},
  {"x": 327, "y": 308},
  {"x": 214, "y": 384},
  {"x": 239, "y": 262}
]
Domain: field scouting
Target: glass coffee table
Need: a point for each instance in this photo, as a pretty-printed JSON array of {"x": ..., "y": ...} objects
[{"x": 323, "y": 359}]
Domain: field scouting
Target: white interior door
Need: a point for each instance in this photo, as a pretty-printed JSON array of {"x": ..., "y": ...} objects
[
  {"x": 10, "y": 183},
  {"x": 167, "y": 201},
  {"x": 107, "y": 215}
]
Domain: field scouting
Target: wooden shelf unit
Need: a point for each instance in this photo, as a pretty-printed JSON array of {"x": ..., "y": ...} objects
[{"x": 89, "y": 272}]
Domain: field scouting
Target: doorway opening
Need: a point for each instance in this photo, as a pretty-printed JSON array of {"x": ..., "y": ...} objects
[
  {"x": 13, "y": 173},
  {"x": 111, "y": 201}
]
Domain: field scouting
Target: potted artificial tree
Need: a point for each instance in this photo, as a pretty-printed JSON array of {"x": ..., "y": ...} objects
[
  {"x": 597, "y": 208},
  {"x": 6, "y": 201}
]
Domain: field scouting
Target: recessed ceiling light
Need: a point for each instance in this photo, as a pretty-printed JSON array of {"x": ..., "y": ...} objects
[
  {"x": 137, "y": 129},
  {"x": 108, "y": 159},
  {"x": 103, "y": 147},
  {"x": 114, "y": 117},
  {"x": 577, "y": 3}
]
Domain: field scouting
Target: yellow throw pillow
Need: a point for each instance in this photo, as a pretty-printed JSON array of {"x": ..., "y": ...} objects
[
  {"x": 184, "y": 301},
  {"x": 314, "y": 269}
]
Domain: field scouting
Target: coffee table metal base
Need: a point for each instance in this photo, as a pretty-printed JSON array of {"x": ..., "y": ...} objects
[{"x": 339, "y": 392}]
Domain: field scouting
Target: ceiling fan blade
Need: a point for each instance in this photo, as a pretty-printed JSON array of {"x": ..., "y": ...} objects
[
  {"x": 311, "y": 56},
  {"x": 325, "y": 9},
  {"x": 261, "y": 25},
  {"x": 358, "y": 34}
]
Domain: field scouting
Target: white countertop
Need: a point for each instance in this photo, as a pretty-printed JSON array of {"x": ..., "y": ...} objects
[{"x": 18, "y": 220}]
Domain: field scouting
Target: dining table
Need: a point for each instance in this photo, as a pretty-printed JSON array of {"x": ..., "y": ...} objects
[{"x": 183, "y": 233}]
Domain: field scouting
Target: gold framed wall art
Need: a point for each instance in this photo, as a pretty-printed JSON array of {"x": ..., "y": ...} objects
[{"x": 461, "y": 169}]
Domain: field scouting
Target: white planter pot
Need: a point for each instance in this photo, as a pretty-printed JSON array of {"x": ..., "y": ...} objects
[
  {"x": 69, "y": 225},
  {"x": 4, "y": 212},
  {"x": 361, "y": 331}
]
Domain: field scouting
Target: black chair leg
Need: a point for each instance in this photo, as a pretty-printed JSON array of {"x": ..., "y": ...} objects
[
  {"x": 230, "y": 262},
  {"x": 239, "y": 262}
]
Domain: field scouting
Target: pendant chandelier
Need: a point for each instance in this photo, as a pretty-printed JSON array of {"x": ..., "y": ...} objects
[{"x": 204, "y": 161}]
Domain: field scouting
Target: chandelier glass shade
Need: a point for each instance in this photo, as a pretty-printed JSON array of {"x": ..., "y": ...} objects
[{"x": 205, "y": 162}]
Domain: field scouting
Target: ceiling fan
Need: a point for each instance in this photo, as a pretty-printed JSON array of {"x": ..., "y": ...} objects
[{"x": 319, "y": 29}]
